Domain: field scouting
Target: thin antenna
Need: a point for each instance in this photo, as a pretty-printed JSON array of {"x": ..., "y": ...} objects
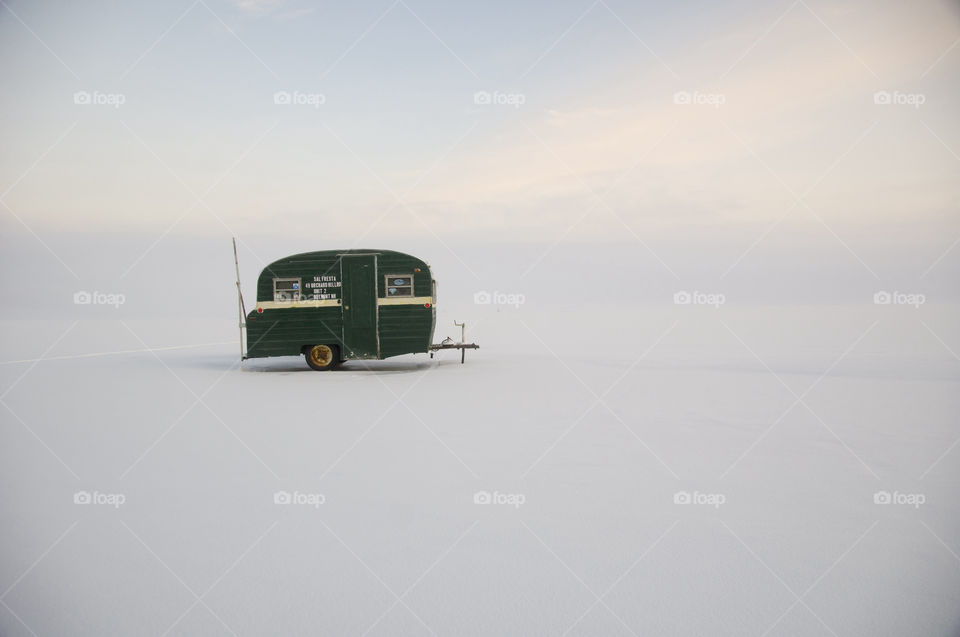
[{"x": 241, "y": 308}]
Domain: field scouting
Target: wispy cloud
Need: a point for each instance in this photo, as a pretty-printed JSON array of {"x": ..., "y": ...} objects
[{"x": 258, "y": 7}]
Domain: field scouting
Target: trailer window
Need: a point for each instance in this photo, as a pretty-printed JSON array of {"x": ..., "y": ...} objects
[
  {"x": 286, "y": 289},
  {"x": 399, "y": 284}
]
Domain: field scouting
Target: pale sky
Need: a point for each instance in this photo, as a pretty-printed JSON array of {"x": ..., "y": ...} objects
[{"x": 589, "y": 142}]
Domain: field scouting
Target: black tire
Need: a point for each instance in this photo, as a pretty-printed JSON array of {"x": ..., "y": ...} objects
[{"x": 322, "y": 357}]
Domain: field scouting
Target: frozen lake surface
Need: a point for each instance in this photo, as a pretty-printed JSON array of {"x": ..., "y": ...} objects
[{"x": 675, "y": 470}]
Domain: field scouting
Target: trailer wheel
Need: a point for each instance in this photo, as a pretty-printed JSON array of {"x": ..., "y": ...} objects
[{"x": 322, "y": 357}]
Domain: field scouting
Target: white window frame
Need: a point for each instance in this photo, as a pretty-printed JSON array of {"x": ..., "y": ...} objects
[
  {"x": 297, "y": 294},
  {"x": 387, "y": 286}
]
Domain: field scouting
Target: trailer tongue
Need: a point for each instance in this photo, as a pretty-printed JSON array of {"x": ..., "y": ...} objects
[{"x": 449, "y": 343}]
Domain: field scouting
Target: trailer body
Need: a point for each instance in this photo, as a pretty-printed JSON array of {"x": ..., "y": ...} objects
[{"x": 363, "y": 304}]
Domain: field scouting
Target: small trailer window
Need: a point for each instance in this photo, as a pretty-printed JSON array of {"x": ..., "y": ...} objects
[
  {"x": 286, "y": 289},
  {"x": 399, "y": 284}
]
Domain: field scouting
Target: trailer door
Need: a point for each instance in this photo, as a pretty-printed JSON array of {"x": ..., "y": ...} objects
[{"x": 358, "y": 273}]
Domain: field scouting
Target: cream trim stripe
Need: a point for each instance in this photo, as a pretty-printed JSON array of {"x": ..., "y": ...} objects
[
  {"x": 406, "y": 300},
  {"x": 286, "y": 305}
]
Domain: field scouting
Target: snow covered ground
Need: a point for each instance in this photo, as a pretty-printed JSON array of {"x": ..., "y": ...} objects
[{"x": 594, "y": 469}]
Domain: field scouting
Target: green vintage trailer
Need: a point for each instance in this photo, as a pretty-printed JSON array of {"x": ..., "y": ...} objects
[{"x": 338, "y": 305}]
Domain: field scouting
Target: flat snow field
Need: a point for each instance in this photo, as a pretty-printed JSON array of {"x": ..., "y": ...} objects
[{"x": 676, "y": 470}]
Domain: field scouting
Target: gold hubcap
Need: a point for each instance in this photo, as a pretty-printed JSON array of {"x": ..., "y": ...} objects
[{"x": 322, "y": 355}]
